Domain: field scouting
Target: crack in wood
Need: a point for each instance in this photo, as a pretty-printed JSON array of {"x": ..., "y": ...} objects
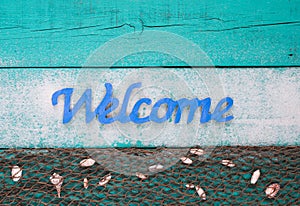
[{"x": 251, "y": 26}]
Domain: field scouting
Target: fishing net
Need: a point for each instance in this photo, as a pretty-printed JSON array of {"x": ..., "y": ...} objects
[{"x": 222, "y": 184}]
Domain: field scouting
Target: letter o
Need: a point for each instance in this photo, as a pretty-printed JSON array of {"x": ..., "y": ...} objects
[{"x": 154, "y": 113}]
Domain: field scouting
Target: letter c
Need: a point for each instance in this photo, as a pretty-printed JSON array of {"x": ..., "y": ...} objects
[{"x": 134, "y": 113}]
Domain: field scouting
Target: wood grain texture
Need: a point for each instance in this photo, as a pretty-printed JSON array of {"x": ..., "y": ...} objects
[
  {"x": 266, "y": 108},
  {"x": 255, "y": 45},
  {"x": 232, "y": 33}
]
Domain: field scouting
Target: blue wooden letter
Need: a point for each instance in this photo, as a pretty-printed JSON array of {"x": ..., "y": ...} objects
[
  {"x": 68, "y": 112},
  {"x": 134, "y": 113},
  {"x": 102, "y": 111},
  {"x": 171, "y": 106},
  {"x": 218, "y": 113},
  {"x": 122, "y": 117}
]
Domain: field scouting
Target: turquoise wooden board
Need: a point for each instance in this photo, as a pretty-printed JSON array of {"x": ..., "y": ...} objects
[
  {"x": 232, "y": 33},
  {"x": 253, "y": 44},
  {"x": 266, "y": 108}
]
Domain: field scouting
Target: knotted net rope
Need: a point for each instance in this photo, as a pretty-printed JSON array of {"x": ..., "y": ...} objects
[{"x": 222, "y": 184}]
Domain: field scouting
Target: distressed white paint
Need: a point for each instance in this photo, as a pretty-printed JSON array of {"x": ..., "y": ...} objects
[{"x": 266, "y": 108}]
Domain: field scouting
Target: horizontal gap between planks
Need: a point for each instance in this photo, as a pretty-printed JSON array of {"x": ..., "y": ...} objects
[
  {"x": 152, "y": 147},
  {"x": 150, "y": 67}
]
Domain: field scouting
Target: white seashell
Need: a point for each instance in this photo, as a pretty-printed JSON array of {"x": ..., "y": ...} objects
[
  {"x": 154, "y": 168},
  {"x": 58, "y": 189},
  {"x": 272, "y": 190},
  {"x": 190, "y": 186},
  {"x": 85, "y": 183},
  {"x": 16, "y": 173},
  {"x": 201, "y": 192},
  {"x": 255, "y": 177},
  {"x": 197, "y": 151},
  {"x": 57, "y": 181},
  {"x": 141, "y": 175},
  {"x": 186, "y": 160},
  {"x": 105, "y": 180},
  {"x": 87, "y": 162},
  {"x": 228, "y": 163}
]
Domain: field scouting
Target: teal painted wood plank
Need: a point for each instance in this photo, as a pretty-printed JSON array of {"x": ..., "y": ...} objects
[
  {"x": 59, "y": 33},
  {"x": 266, "y": 107}
]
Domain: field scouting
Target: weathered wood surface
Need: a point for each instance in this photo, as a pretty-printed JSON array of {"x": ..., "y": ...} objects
[
  {"x": 232, "y": 33},
  {"x": 254, "y": 43},
  {"x": 266, "y": 108}
]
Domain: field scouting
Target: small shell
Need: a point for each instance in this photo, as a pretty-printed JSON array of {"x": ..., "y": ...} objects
[
  {"x": 154, "y": 168},
  {"x": 186, "y": 160},
  {"x": 272, "y": 190},
  {"x": 197, "y": 151},
  {"x": 87, "y": 162},
  {"x": 105, "y": 180},
  {"x": 58, "y": 189},
  {"x": 57, "y": 181},
  {"x": 16, "y": 173},
  {"x": 255, "y": 177},
  {"x": 141, "y": 175},
  {"x": 190, "y": 186},
  {"x": 228, "y": 163},
  {"x": 85, "y": 183},
  {"x": 201, "y": 192}
]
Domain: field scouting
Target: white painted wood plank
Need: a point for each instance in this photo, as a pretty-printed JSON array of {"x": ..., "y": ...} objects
[{"x": 266, "y": 108}]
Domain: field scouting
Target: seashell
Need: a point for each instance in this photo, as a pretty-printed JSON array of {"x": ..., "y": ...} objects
[
  {"x": 272, "y": 190},
  {"x": 85, "y": 183},
  {"x": 197, "y": 151},
  {"x": 87, "y": 162},
  {"x": 105, "y": 180},
  {"x": 190, "y": 186},
  {"x": 57, "y": 181},
  {"x": 255, "y": 177},
  {"x": 141, "y": 175},
  {"x": 154, "y": 168},
  {"x": 16, "y": 173},
  {"x": 201, "y": 192},
  {"x": 228, "y": 163},
  {"x": 186, "y": 160}
]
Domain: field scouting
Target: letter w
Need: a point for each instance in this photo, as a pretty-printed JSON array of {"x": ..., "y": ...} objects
[{"x": 68, "y": 112}]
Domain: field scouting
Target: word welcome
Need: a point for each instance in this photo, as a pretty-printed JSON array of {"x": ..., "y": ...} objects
[{"x": 110, "y": 103}]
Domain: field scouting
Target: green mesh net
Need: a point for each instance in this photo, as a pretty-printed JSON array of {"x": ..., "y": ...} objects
[{"x": 222, "y": 184}]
